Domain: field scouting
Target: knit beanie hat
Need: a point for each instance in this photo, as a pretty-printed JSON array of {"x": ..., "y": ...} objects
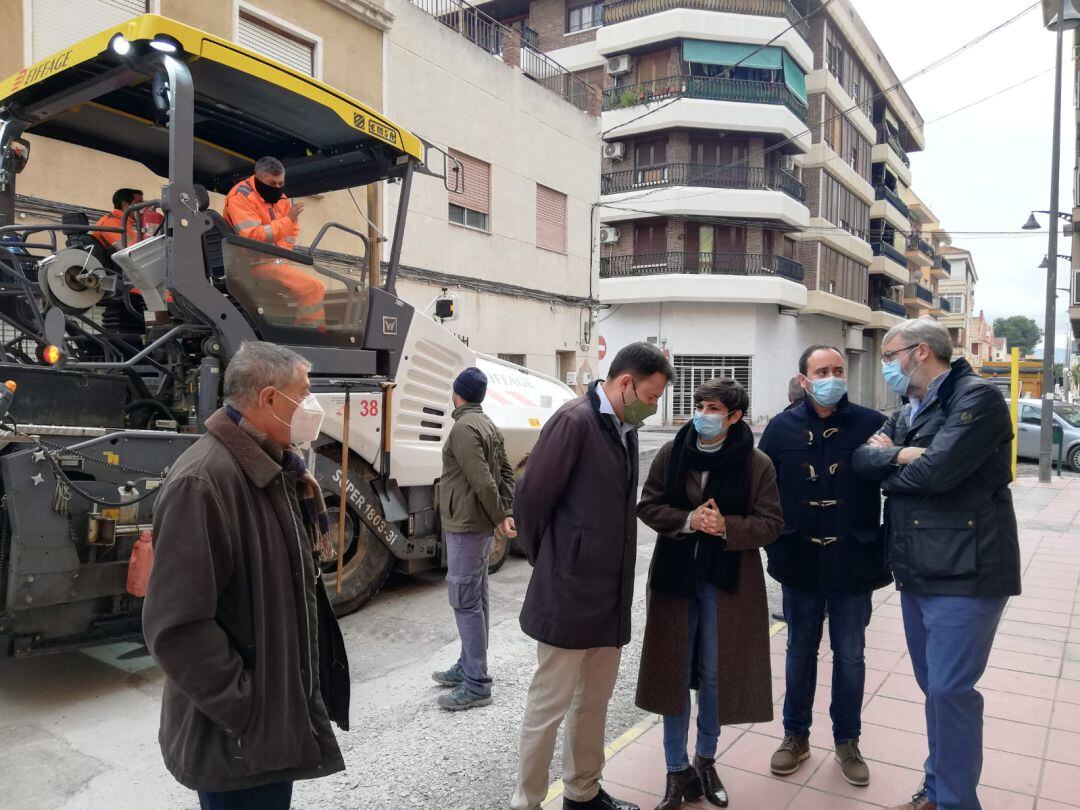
[{"x": 471, "y": 385}]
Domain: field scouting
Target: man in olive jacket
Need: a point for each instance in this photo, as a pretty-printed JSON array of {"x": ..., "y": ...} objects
[
  {"x": 235, "y": 614},
  {"x": 577, "y": 524},
  {"x": 476, "y": 495},
  {"x": 944, "y": 462}
]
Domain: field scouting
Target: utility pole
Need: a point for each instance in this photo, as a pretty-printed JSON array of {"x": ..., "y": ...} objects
[{"x": 1046, "y": 422}]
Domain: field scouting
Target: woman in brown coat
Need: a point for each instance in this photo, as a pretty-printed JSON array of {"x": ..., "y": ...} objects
[{"x": 713, "y": 500}]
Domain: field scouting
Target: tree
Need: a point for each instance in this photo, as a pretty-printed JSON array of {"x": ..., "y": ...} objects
[{"x": 1021, "y": 332}]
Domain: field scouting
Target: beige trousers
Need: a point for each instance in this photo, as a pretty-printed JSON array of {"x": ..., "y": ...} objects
[{"x": 577, "y": 685}]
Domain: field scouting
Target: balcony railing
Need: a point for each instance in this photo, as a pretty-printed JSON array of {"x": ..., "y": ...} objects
[
  {"x": 886, "y": 136},
  {"x": 516, "y": 47},
  {"x": 889, "y": 252},
  {"x": 884, "y": 304},
  {"x": 704, "y": 87},
  {"x": 722, "y": 264},
  {"x": 941, "y": 263},
  {"x": 920, "y": 292},
  {"x": 883, "y": 192},
  {"x": 921, "y": 245},
  {"x": 696, "y": 174},
  {"x": 941, "y": 303},
  {"x": 624, "y": 10}
]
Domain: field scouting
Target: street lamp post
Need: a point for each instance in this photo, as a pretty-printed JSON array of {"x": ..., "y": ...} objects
[{"x": 1046, "y": 423}]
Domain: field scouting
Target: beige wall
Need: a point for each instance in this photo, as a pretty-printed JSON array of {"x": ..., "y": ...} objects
[
  {"x": 460, "y": 97},
  {"x": 351, "y": 61}
]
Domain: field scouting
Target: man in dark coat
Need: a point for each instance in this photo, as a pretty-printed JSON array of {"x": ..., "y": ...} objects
[
  {"x": 944, "y": 462},
  {"x": 235, "y": 614},
  {"x": 830, "y": 557},
  {"x": 575, "y": 512}
]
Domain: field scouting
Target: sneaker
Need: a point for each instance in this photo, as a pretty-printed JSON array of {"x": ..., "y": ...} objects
[
  {"x": 787, "y": 758},
  {"x": 451, "y": 677},
  {"x": 462, "y": 698},
  {"x": 920, "y": 801},
  {"x": 852, "y": 764}
]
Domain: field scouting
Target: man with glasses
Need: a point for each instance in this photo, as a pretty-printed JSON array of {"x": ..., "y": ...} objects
[{"x": 944, "y": 462}]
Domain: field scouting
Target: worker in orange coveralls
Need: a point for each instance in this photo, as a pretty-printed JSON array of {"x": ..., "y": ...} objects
[
  {"x": 121, "y": 199},
  {"x": 258, "y": 209}
]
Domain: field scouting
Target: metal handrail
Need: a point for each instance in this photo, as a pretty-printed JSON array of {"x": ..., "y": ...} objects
[
  {"x": 883, "y": 192},
  {"x": 715, "y": 263},
  {"x": 711, "y": 88},
  {"x": 883, "y": 248},
  {"x": 920, "y": 292},
  {"x": 886, "y": 304},
  {"x": 703, "y": 175},
  {"x": 499, "y": 40}
]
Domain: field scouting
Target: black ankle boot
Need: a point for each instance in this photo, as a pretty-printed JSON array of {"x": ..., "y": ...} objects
[
  {"x": 711, "y": 786},
  {"x": 681, "y": 785}
]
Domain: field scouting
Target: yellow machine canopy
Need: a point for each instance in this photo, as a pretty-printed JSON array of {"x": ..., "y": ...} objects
[{"x": 246, "y": 106}]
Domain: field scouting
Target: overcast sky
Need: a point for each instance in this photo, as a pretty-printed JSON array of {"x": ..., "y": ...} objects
[{"x": 985, "y": 168}]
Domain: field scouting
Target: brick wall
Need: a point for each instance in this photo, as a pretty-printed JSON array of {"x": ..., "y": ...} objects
[
  {"x": 676, "y": 235},
  {"x": 806, "y": 253},
  {"x": 812, "y": 180},
  {"x": 678, "y": 147},
  {"x": 755, "y": 240},
  {"x": 548, "y": 19}
]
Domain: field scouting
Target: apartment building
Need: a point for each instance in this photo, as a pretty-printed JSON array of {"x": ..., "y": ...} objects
[
  {"x": 508, "y": 236},
  {"x": 986, "y": 347},
  {"x": 743, "y": 149},
  {"x": 957, "y": 291}
]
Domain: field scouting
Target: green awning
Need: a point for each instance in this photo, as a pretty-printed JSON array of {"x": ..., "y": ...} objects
[
  {"x": 794, "y": 78},
  {"x": 731, "y": 53}
]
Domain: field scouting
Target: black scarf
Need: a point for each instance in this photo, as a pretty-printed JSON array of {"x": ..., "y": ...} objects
[{"x": 680, "y": 563}]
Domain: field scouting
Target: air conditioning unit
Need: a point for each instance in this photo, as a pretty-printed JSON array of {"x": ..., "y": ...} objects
[
  {"x": 609, "y": 236},
  {"x": 571, "y": 378},
  {"x": 619, "y": 65},
  {"x": 615, "y": 151}
]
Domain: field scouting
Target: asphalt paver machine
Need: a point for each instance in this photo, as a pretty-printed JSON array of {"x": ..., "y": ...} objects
[{"x": 118, "y": 358}]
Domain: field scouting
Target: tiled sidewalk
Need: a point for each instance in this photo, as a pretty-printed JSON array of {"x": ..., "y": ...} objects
[{"x": 1031, "y": 689}]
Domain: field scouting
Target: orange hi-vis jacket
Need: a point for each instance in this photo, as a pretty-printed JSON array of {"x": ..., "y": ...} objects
[
  {"x": 255, "y": 218},
  {"x": 110, "y": 240}
]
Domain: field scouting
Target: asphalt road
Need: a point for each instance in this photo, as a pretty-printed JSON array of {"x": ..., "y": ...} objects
[{"x": 79, "y": 730}]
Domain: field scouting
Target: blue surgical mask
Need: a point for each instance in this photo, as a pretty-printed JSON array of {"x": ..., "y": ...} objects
[
  {"x": 895, "y": 378},
  {"x": 710, "y": 425},
  {"x": 828, "y": 391}
]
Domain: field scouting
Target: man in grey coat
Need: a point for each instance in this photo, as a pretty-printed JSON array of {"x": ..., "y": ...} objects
[
  {"x": 576, "y": 515},
  {"x": 476, "y": 495}
]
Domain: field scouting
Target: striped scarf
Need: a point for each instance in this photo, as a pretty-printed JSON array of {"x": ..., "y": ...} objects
[{"x": 308, "y": 492}]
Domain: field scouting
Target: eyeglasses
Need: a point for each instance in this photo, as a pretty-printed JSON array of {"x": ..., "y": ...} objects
[{"x": 888, "y": 357}]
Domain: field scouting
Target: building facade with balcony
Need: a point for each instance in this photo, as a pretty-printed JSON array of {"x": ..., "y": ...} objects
[
  {"x": 509, "y": 234},
  {"x": 737, "y": 183},
  {"x": 957, "y": 288}
]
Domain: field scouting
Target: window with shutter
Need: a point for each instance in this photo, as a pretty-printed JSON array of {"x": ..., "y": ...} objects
[
  {"x": 550, "y": 219},
  {"x": 57, "y": 24},
  {"x": 274, "y": 41},
  {"x": 470, "y": 202}
]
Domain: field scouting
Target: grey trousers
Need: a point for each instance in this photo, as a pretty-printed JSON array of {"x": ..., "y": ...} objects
[{"x": 467, "y": 580}]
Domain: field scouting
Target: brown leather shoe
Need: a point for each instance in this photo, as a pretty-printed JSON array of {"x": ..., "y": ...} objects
[{"x": 920, "y": 801}]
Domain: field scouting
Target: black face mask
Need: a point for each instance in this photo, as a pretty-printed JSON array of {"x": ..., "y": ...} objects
[{"x": 269, "y": 193}]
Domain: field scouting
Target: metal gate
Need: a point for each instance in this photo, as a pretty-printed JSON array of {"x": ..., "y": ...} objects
[{"x": 692, "y": 370}]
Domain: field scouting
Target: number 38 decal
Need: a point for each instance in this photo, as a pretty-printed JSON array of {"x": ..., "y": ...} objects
[{"x": 367, "y": 407}]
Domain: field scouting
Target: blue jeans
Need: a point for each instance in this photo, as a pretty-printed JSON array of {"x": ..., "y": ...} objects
[
  {"x": 804, "y": 612},
  {"x": 276, "y": 796},
  {"x": 949, "y": 640},
  {"x": 467, "y": 583},
  {"x": 701, "y": 647}
]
